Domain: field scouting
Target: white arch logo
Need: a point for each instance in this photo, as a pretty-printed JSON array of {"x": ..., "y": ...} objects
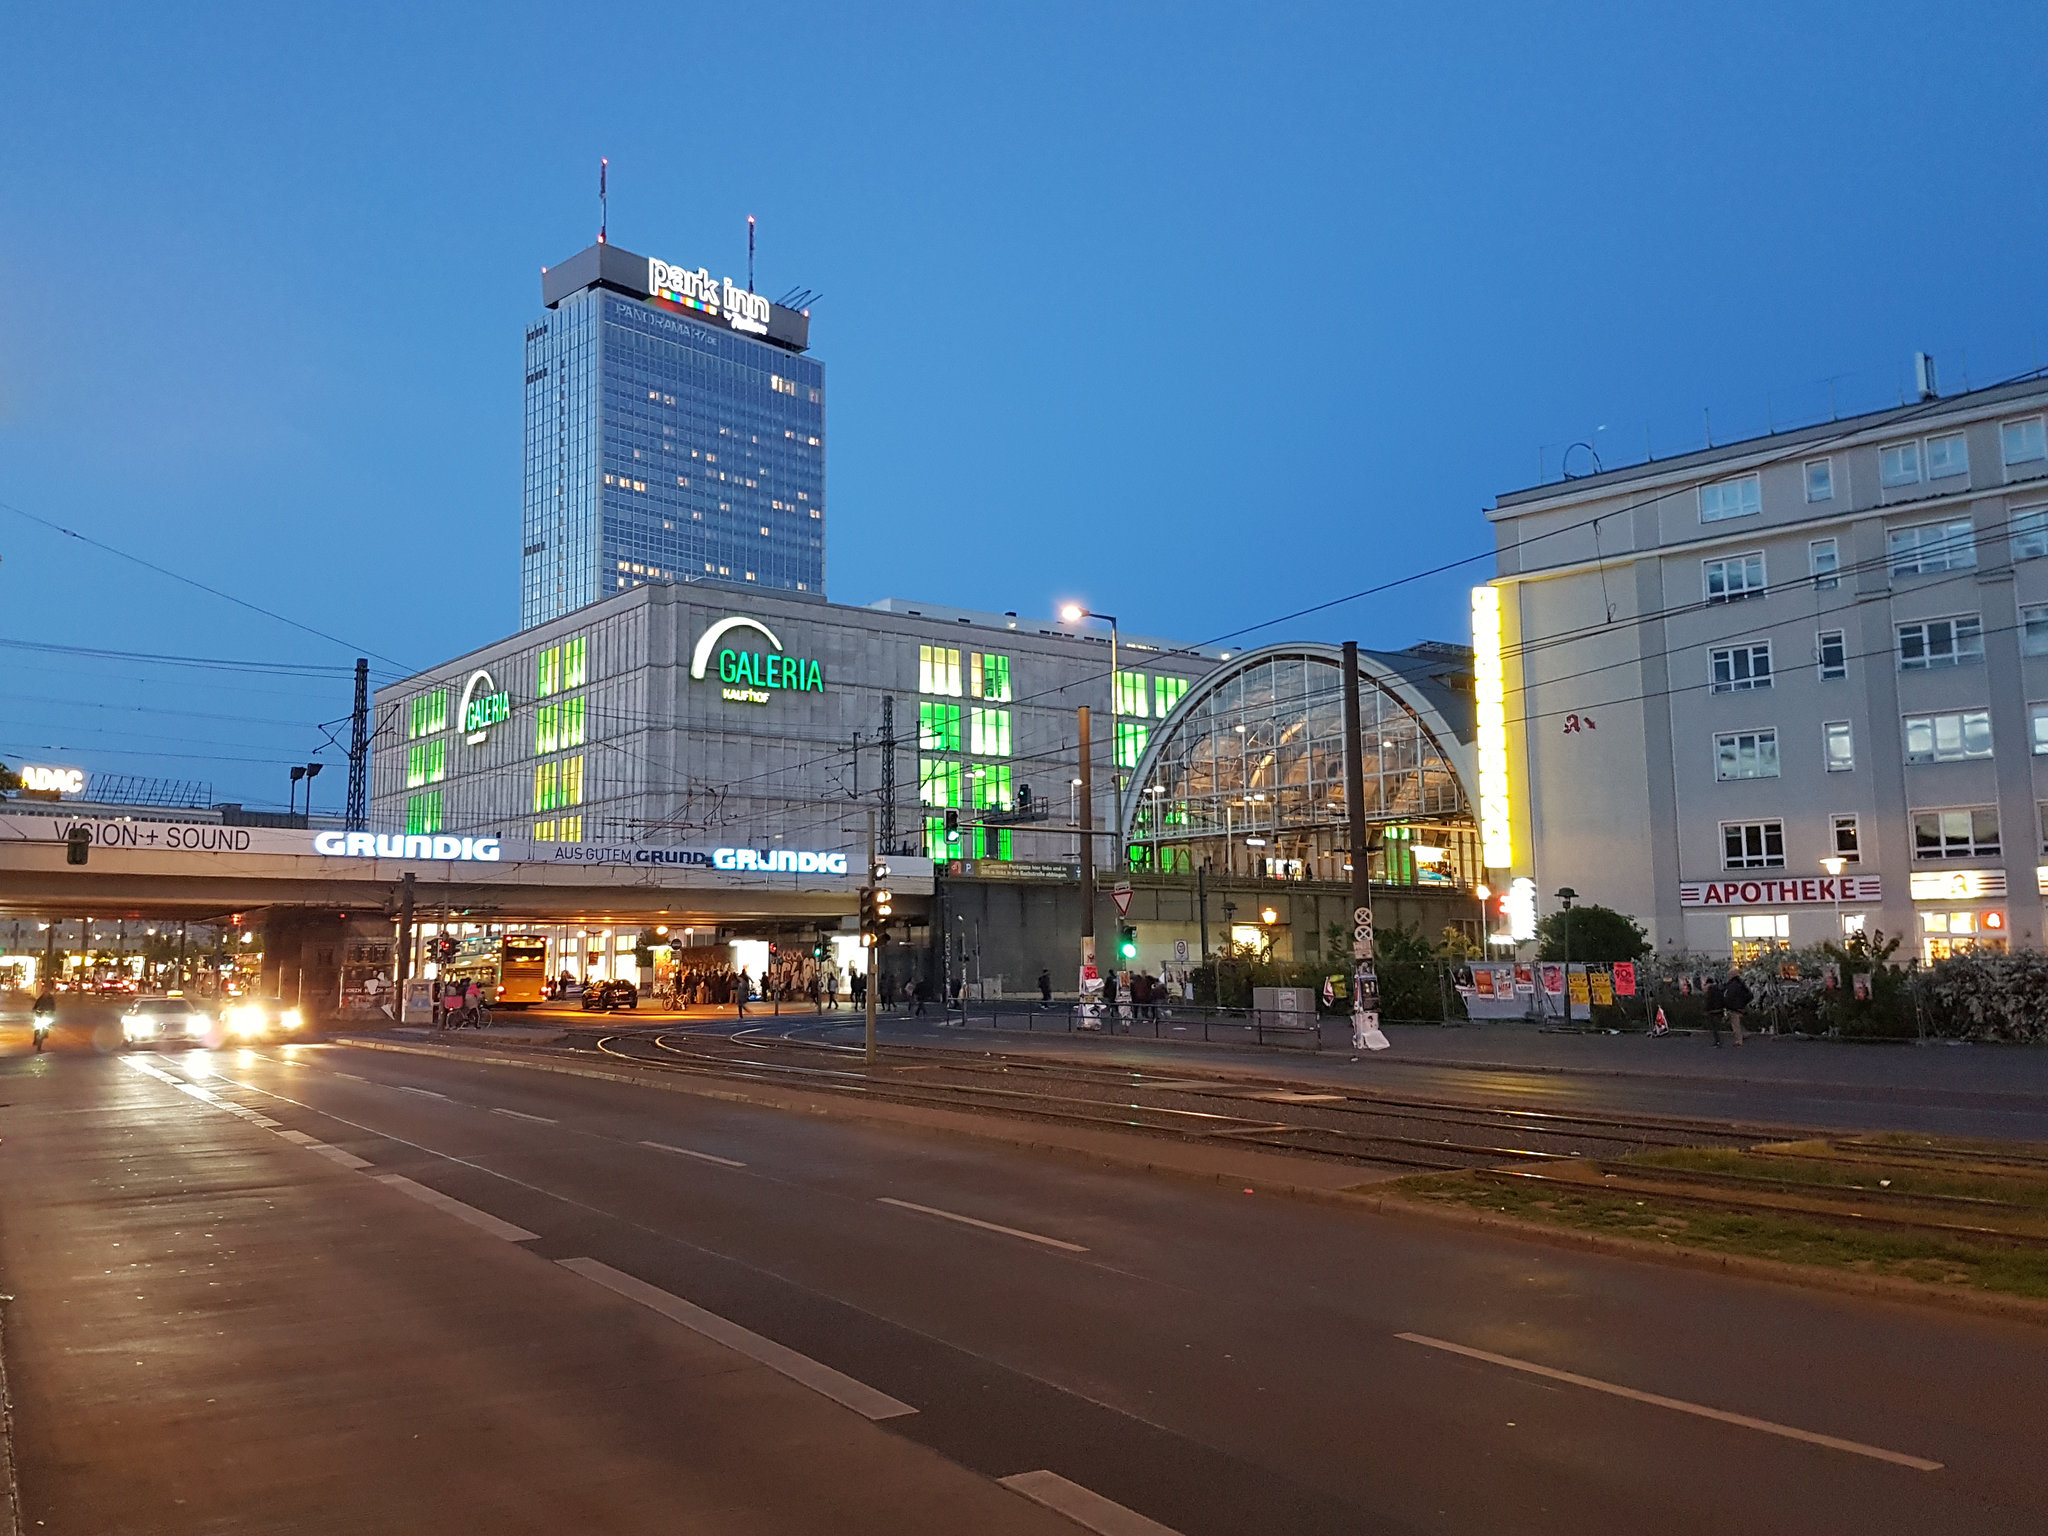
[{"x": 701, "y": 657}]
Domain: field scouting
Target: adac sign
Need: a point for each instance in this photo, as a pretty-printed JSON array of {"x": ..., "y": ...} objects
[{"x": 751, "y": 676}]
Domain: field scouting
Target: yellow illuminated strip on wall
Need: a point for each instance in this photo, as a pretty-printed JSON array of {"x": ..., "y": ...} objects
[{"x": 1496, "y": 843}]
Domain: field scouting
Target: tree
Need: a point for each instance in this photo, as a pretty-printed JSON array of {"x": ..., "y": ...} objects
[{"x": 1598, "y": 934}]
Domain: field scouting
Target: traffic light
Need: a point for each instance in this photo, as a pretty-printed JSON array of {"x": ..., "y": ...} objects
[
  {"x": 876, "y": 904},
  {"x": 1127, "y": 943},
  {"x": 78, "y": 845},
  {"x": 952, "y": 826}
]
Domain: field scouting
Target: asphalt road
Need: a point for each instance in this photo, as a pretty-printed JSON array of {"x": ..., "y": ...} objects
[{"x": 224, "y": 1325}]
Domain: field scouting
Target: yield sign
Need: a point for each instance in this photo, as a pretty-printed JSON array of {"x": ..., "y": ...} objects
[{"x": 1120, "y": 893}]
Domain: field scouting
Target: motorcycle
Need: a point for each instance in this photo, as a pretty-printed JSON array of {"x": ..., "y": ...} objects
[{"x": 44, "y": 1018}]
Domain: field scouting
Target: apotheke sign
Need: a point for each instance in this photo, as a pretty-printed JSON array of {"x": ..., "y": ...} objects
[
  {"x": 1803, "y": 891},
  {"x": 714, "y": 298}
]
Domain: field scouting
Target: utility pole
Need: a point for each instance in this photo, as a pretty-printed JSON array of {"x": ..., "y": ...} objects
[
  {"x": 1365, "y": 986},
  {"x": 1202, "y": 902},
  {"x": 874, "y": 947},
  {"x": 889, "y": 774},
  {"x": 403, "y": 970},
  {"x": 1088, "y": 972},
  {"x": 357, "y": 818}
]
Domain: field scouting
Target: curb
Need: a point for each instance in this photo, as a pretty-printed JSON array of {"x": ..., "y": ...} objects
[{"x": 1775, "y": 1271}]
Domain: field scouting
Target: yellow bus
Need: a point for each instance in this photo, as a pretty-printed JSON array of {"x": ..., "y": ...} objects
[{"x": 512, "y": 969}]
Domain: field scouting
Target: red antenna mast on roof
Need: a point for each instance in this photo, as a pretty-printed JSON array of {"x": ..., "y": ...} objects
[{"x": 603, "y": 205}]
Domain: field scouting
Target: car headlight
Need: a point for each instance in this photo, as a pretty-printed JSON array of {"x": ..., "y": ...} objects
[
  {"x": 291, "y": 1018},
  {"x": 246, "y": 1020},
  {"x": 136, "y": 1024}
]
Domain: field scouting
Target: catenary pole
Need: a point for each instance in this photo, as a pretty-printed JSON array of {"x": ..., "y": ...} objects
[
  {"x": 1087, "y": 855},
  {"x": 874, "y": 949},
  {"x": 1365, "y": 995}
]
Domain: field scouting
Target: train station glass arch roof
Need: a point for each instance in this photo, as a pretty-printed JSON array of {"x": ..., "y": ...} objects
[{"x": 1247, "y": 774}]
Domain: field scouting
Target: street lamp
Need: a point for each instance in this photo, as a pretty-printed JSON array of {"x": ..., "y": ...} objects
[
  {"x": 309, "y": 772},
  {"x": 1074, "y": 613},
  {"x": 1567, "y": 895},
  {"x": 1834, "y": 867}
]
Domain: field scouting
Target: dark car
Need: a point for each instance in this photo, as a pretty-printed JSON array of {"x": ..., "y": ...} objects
[{"x": 604, "y": 996}]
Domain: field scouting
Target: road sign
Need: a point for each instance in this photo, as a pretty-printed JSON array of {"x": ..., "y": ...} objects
[
  {"x": 1120, "y": 893},
  {"x": 1361, "y": 917},
  {"x": 1180, "y": 951}
]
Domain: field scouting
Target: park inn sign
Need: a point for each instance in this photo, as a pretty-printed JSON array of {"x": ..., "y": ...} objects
[{"x": 1805, "y": 890}]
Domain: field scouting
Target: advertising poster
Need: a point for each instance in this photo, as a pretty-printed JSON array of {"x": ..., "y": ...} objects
[
  {"x": 1603, "y": 987},
  {"x": 1625, "y": 978}
]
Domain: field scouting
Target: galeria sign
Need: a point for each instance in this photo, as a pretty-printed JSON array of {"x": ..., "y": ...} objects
[
  {"x": 484, "y": 705},
  {"x": 750, "y": 677}
]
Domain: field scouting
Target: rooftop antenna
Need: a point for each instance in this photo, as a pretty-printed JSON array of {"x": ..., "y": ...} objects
[
  {"x": 603, "y": 202},
  {"x": 750, "y": 253}
]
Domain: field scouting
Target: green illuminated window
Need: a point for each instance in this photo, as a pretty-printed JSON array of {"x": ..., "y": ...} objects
[
  {"x": 989, "y": 678},
  {"x": 938, "y": 781},
  {"x": 572, "y": 780},
  {"x": 938, "y": 670},
  {"x": 426, "y": 762},
  {"x": 1130, "y": 694},
  {"x": 576, "y": 662},
  {"x": 547, "y": 786},
  {"x": 990, "y": 736},
  {"x": 429, "y": 714},
  {"x": 991, "y": 783},
  {"x": 1168, "y": 691},
  {"x": 989, "y": 842},
  {"x": 938, "y": 727},
  {"x": 547, "y": 729},
  {"x": 423, "y": 813},
  {"x": 1130, "y": 742},
  {"x": 547, "y": 672},
  {"x": 572, "y": 721}
]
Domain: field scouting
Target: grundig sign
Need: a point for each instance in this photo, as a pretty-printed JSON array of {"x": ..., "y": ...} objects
[
  {"x": 1802, "y": 891},
  {"x": 713, "y": 299},
  {"x": 749, "y": 677}
]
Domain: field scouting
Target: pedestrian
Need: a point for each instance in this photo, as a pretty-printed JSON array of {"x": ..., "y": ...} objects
[
  {"x": 960, "y": 992},
  {"x": 741, "y": 986},
  {"x": 1044, "y": 990},
  {"x": 859, "y": 990},
  {"x": 922, "y": 991},
  {"x": 1735, "y": 998},
  {"x": 1109, "y": 998},
  {"x": 1714, "y": 1007}
]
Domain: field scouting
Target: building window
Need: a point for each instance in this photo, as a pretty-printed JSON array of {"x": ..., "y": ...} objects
[
  {"x": 1820, "y": 480},
  {"x": 1131, "y": 694},
  {"x": 1847, "y": 838},
  {"x": 1740, "y": 497},
  {"x": 938, "y": 670},
  {"x": 1951, "y": 738},
  {"x": 1899, "y": 465},
  {"x": 429, "y": 714},
  {"x": 2037, "y": 721},
  {"x": 547, "y": 730},
  {"x": 1824, "y": 560},
  {"x": 1168, "y": 691},
  {"x": 1741, "y": 668},
  {"x": 572, "y": 780},
  {"x": 1831, "y": 650},
  {"x": 547, "y": 672},
  {"x": 1838, "y": 746},
  {"x": 423, "y": 813},
  {"x": 1755, "y": 934},
  {"x": 990, "y": 678},
  {"x": 543, "y": 831},
  {"x": 2041, "y": 812},
  {"x": 1130, "y": 742},
  {"x": 426, "y": 762},
  {"x": 937, "y": 846},
  {"x": 990, "y": 783},
  {"x": 1746, "y": 755},
  {"x": 1963, "y": 834},
  {"x": 938, "y": 782},
  {"x": 990, "y": 733},
  {"x": 576, "y": 662},
  {"x": 938, "y": 727},
  {"x": 2030, "y": 533},
  {"x": 1948, "y": 456},
  {"x": 1941, "y": 643},
  {"x": 2034, "y": 630},
  {"x": 1928, "y": 547},
  {"x": 547, "y": 786},
  {"x": 1736, "y": 577},
  {"x": 2023, "y": 442},
  {"x": 572, "y": 721},
  {"x": 1752, "y": 845}
]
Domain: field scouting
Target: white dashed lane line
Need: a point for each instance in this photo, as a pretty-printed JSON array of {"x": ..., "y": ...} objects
[
  {"x": 986, "y": 1226},
  {"x": 482, "y": 1220},
  {"x": 702, "y": 1157},
  {"x": 1086, "y": 1508},
  {"x": 425, "y": 1093},
  {"x": 520, "y": 1114}
]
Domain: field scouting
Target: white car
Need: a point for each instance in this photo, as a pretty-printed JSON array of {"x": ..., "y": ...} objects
[
  {"x": 259, "y": 1018},
  {"x": 169, "y": 1018}
]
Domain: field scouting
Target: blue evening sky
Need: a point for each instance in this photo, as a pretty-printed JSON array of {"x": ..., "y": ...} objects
[{"x": 1201, "y": 313}]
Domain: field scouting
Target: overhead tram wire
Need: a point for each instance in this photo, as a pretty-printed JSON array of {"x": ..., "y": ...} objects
[{"x": 163, "y": 570}]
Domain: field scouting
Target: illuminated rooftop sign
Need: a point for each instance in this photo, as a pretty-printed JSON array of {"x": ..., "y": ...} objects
[
  {"x": 713, "y": 298},
  {"x": 45, "y": 780},
  {"x": 377, "y": 845},
  {"x": 484, "y": 705},
  {"x": 750, "y": 677},
  {"x": 1496, "y": 843}
]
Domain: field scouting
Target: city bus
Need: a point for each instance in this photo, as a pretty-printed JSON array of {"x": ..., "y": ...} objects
[{"x": 512, "y": 969}]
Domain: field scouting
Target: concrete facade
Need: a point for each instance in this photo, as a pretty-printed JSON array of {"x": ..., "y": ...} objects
[{"x": 1725, "y": 668}]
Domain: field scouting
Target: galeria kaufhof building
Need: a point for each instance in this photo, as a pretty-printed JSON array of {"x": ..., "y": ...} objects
[{"x": 689, "y": 713}]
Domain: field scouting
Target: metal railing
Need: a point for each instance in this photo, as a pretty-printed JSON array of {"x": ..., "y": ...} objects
[{"x": 1167, "y": 1021}]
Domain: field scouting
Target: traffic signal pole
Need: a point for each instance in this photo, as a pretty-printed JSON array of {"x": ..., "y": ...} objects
[
  {"x": 874, "y": 949},
  {"x": 1087, "y": 861}
]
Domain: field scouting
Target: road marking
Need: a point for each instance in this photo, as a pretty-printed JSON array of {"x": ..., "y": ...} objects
[
  {"x": 702, "y": 1157},
  {"x": 354, "y": 1077},
  {"x": 820, "y": 1378},
  {"x": 520, "y": 1114},
  {"x": 1083, "y": 1506},
  {"x": 425, "y": 1093},
  {"x": 298, "y": 1138},
  {"x": 335, "y": 1154},
  {"x": 483, "y": 1220},
  {"x": 1742, "y": 1420},
  {"x": 986, "y": 1226}
]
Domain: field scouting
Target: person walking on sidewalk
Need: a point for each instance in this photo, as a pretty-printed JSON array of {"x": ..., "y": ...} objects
[
  {"x": 1735, "y": 997},
  {"x": 1714, "y": 1006},
  {"x": 1044, "y": 990}
]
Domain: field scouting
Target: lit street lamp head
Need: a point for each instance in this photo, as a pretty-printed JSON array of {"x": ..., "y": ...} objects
[{"x": 1073, "y": 613}]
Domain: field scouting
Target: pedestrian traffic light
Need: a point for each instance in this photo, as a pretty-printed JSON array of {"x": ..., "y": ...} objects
[
  {"x": 78, "y": 845},
  {"x": 1127, "y": 943}
]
